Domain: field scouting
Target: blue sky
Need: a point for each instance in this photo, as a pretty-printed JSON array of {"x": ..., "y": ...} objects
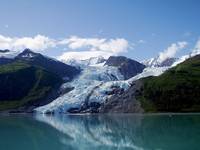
[{"x": 149, "y": 26}]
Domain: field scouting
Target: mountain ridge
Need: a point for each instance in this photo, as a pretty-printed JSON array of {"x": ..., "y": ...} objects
[
  {"x": 176, "y": 90},
  {"x": 97, "y": 85},
  {"x": 126, "y": 66}
]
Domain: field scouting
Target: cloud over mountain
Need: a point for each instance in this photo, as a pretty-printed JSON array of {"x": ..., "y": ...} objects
[
  {"x": 76, "y": 47},
  {"x": 196, "y": 49},
  {"x": 36, "y": 43},
  {"x": 91, "y": 47},
  {"x": 171, "y": 50}
]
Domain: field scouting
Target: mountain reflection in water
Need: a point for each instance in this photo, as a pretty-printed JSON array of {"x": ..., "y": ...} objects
[
  {"x": 100, "y": 132},
  {"x": 139, "y": 132}
]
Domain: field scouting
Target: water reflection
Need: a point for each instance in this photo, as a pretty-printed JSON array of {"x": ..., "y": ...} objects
[
  {"x": 150, "y": 132},
  {"x": 100, "y": 132}
]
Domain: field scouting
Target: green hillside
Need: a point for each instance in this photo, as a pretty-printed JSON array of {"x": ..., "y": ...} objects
[
  {"x": 24, "y": 85},
  {"x": 177, "y": 90}
]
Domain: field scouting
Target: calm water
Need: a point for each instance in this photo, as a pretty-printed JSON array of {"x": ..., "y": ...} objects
[{"x": 103, "y": 132}]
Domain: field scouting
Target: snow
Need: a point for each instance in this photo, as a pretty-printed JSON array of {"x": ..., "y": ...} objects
[
  {"x": 92, "y": 85},
  {"x": 183, "y": 58},
  {"x": 150, "y": 71},
  {"x": 155, "y": 62},
  {"x": 94, "y": 61},
  {"x": 28, "y": 55},
  {"x": 96, "y": 80},
  {"x": 89, "y": 82},
  {"x": 180, "y": 60},
  {"x": 10, "y": 54}
]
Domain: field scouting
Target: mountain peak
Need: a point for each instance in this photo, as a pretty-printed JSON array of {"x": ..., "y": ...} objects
[
  {"x": 154, "y": 62},
  {"x": 27, "y": 53},
  {"x": 63, "y": 70},
  {"x": 27, "y": 50},
  {"x": 126, "y": 66}
]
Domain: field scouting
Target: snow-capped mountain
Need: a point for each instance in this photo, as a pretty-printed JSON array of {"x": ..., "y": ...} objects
[
  {"x": 93, "y": 61},
  {"x": 61, "y": 69},
  {"x": 100, "y": 79},
  {"x": 28, "y": 54},
  {"x": 92, "y": 81},
  {"x": 67, "y": 72},
  {"x": 155, "y": 62},
  {"x": 89, "y": 88},
  {"x": 92, "y": 87},
  {"x": 195, "y": 52}
]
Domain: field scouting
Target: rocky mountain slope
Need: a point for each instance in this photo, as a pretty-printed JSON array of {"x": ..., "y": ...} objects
[
  {"x": 97, "y": 81},
  {"x": 127, "y": 67},
  {"x": 176, "y": 90}
]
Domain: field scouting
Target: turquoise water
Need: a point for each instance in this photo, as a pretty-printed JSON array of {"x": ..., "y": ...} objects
[{"x": 100, "y": 132}]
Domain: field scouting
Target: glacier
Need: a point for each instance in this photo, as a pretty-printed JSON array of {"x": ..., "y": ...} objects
[{"x": 92, "y": 85}]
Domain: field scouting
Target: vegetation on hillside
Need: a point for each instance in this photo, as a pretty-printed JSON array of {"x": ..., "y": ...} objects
[
  {"x": 177, "y": 90},
  {"x": 23, "y": 85}
]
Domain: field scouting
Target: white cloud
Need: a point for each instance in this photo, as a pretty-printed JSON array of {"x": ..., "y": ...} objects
[
  {"x": 83, "y": 55},
  {"x": 196, "y": 49},
  {"x": 93, "y": 46},
  {"x": 37, "y": 43},
  {"x": 78, "y": 47},
  {"x": 171, "y": 51},
  {"x": 5, "y": 42},
  {"x": 117, "y": 45}
]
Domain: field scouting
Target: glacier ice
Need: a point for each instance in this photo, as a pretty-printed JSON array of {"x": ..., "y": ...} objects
[
  {"x": 90, "y": 85},
  {"x": 93, "y": 84}
]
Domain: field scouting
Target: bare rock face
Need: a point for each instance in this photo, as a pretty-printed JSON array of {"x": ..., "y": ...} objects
[
  {"x": 123, "y": 102},
  {"x": 127, "y": 67}
]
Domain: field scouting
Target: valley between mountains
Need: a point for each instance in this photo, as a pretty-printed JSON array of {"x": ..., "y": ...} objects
[{"x": 31, "y": 82}]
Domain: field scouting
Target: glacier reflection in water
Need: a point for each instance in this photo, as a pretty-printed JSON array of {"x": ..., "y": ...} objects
[
  {"x": 100, "y": 132},
  {"x": 124, "y": 132}
]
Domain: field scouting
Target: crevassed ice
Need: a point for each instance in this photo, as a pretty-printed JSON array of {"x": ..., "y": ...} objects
[
  {"x": 92, "y": 85},
  {"x": 94, "y": 81}
]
